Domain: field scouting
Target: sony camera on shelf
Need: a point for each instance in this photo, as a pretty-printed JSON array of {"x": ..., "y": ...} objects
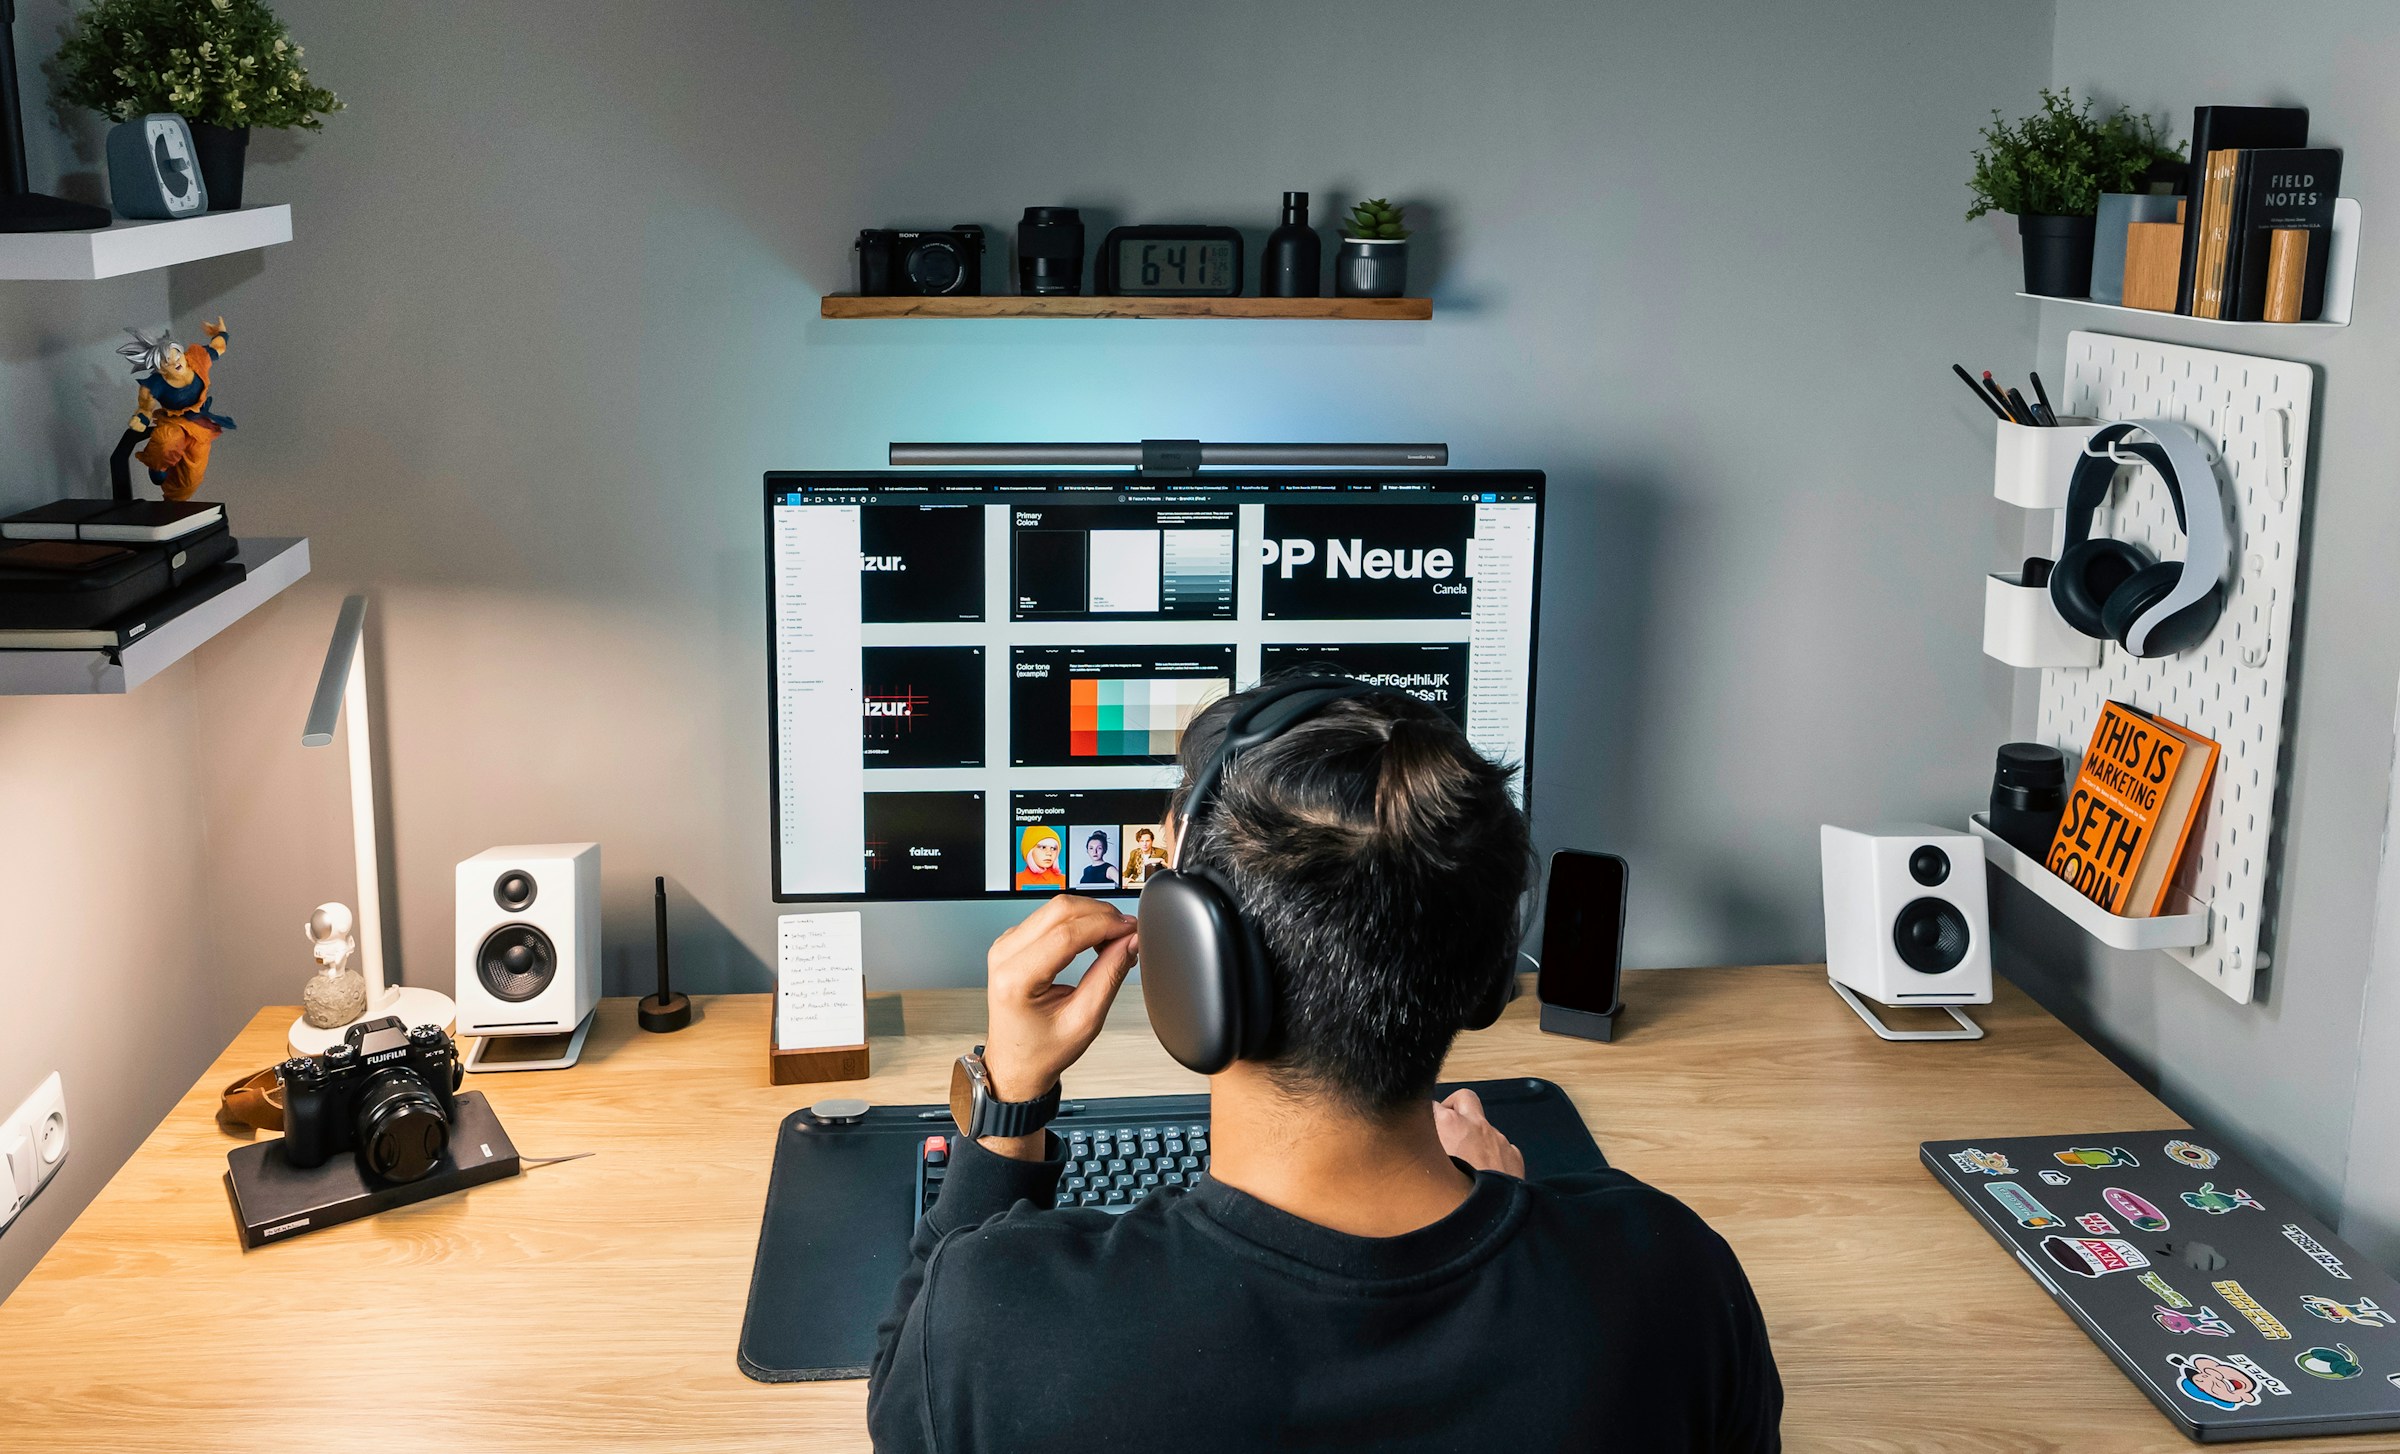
[
  {"x": 386, "y": 1092},
  {"x": 894, "y": 264}
]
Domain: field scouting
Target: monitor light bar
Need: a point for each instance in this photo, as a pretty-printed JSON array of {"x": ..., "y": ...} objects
[{"x": 1176, "y": 456}]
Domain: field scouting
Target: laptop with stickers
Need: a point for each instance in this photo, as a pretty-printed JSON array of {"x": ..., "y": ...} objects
[{"x": 2238, "y": 1313}]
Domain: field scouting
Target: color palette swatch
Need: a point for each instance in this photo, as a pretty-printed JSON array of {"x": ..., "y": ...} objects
[{"x": 1135, "y": 716}]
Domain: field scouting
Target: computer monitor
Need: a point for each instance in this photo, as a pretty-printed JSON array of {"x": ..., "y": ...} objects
[{"x": 980, "y": 679}]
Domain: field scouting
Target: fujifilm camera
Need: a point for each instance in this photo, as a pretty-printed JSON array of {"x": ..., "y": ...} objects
[
  {"x": 920, "y": 264},
  {"x": 386, "y": 1092}
]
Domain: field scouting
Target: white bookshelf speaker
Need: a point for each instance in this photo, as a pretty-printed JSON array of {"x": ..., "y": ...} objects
[
  {"x": 528, "y": 953},
  {"x": 1906, "y": 922}
]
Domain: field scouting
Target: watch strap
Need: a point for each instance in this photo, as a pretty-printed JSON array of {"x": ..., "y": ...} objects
[{"x": 1012, "y": 1118}]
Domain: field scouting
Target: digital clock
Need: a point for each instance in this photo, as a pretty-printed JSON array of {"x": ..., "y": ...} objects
[{"x": 1171, "y": 262}]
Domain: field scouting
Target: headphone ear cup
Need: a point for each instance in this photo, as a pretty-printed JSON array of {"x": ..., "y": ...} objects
[
  {"x": 2182, "y": 631},
  {"x": 1195, "y": 970},
  {"x": 2087, "y": 576}
]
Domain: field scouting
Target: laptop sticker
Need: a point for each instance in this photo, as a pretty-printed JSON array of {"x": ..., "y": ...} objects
[
  {"x": 2166, "y": 1294},
  {"x": 2218, "y": 1382},
  {"x": 2315, "y": 1249},
  {"x": 2136, "y": 1210},
  {"x": 2364, "y": 1312},
  {"x": 2204, "y": 1322},
  {"x": 2021, "y": 1205},
  {"x": 2093, "y": 1256},
  {"x": 2241, "y": 1302},
  {"x": 2334, "y": 1362},
  {"x": 2198, "y": 1158},
  {"x": 2217, "y": 1203},
  {"x": 2095, "y": 1157},
  {"x": 2097, "y": 1225},
  {"x": 1990, "y": 1163},
  {"x": 2055, "y": 1178}
]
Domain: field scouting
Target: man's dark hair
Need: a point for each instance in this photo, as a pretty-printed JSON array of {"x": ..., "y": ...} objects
[{"x": 1380, "y": 859}]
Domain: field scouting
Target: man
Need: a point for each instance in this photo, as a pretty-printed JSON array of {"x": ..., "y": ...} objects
[
  {"x": 1360, "y": 1268},
  {"x": 1146, "y": 858},
  {"x": 1099, "y": 872}
]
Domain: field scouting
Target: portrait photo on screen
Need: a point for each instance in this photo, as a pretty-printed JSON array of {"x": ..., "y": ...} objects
[
  {"x": 1040, "y": 858},
  {"x": 920, "y": 563},
  {"x": 1109, "y": 706},
  {"x": 1092, "y": 857},
  {"x": 1433, "y": 672},
  {"x": 1366, "y": 562},
  {"x": 1121, "y": 562},
  {"x": 1145, "y": 851},
  {"x": 922, "y": 706}
]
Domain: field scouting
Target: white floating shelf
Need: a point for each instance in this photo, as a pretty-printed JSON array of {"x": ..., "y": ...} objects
[
  {"x": 2341, "y": 281},
  {"x": 2187, "y": 926},
  {"x": 271, "y": 566},
  {"x": 139, "y": 247}
]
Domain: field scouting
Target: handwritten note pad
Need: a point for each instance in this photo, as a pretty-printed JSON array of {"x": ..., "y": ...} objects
[{"x": 820, "y": 982}]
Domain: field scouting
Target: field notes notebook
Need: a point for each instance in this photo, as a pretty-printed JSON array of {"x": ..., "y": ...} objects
[{"x": 820, "y": 982}]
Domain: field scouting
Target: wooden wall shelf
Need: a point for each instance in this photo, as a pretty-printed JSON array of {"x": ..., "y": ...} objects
[{"x": 1383, "y": 310}]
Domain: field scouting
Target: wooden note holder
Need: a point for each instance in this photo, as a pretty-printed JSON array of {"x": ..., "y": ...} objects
[{"x": 804, "y": 1067}]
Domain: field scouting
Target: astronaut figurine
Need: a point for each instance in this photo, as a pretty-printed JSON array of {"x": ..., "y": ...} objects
[{"x": 337, "y": 993}]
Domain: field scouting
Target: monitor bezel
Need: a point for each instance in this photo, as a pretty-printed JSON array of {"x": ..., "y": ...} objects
[{"x": 778, "y": 482}]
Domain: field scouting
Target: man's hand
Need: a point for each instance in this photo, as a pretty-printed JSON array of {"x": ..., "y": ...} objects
[
  {"x": 1038, "y": 1026},
  {"x": 1472, "y": 1139}
]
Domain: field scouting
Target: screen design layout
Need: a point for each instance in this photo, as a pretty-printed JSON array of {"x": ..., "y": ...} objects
[{"x": 980, "y": 682}]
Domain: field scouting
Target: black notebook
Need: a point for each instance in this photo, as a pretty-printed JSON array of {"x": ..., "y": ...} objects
[
  {"x": 2284, "y": 189},
  {"x": 133, "y": 625},
  {"x": 79, "y": 585},
  {"x": 144, "y": 522}
]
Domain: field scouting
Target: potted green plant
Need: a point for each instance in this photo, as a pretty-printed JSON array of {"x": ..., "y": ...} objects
[
  {"x": 225, "y": 65},
  {"x": 1373, "y": 262},
  {"x": 2049, "y": 170}
]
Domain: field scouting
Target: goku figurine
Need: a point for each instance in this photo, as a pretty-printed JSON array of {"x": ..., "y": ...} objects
[{"x": 172, "y": 408}]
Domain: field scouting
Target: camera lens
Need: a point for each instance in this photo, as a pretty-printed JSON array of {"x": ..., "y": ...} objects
[
  {"x": 402, "y": 1129},
  {"x": 935, "y": 267},
  {"x": 1050, "y": 251}
]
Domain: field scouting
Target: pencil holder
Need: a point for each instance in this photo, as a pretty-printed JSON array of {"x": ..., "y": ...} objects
[
  {"x": 2031, "y": 466},
  {"x": 2022, "y": 628}
]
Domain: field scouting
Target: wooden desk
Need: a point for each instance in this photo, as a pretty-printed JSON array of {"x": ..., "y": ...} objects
[{"x": 596, "y": 1304}]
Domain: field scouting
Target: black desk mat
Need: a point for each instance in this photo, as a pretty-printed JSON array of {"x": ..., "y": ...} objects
[{"x": 840, "y": 1211}]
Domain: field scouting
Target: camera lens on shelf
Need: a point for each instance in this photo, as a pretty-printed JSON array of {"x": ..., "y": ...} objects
[{"x": 1050, "y": 252}]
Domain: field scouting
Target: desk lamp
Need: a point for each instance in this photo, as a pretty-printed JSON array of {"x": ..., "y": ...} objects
[
  {"x": 22, "y": 209},
  {"x": 343, "y": 685}
]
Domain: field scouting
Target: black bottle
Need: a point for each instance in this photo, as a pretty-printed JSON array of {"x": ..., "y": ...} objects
[
  {"x": 2029, "y": 796},
  {"x": 1293, "y": 266}
]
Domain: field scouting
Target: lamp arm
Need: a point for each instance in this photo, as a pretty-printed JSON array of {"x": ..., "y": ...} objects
[{"x": 342, "y": 686}]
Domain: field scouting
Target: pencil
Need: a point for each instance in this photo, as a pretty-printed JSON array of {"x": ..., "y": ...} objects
[{"x": 1979, "y": 393}]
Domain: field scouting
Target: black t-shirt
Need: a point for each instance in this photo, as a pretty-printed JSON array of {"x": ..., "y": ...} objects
[{"x": 1585, "y": 1312}]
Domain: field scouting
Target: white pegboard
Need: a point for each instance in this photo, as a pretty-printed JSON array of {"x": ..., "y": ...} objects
[{"x": 2253, "y": 414}]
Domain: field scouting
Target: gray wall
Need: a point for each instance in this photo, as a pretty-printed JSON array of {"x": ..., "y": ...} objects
[
  {"x": 552, "y": 309},
  {"x": 2279, "y": 1077}
]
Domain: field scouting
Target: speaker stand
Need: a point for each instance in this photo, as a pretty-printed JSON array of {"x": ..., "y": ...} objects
[
  {"x": 413, "y": 1005},
  {"x": 529, "y": 1052},
  {"x": 1967, "y": 1029}
]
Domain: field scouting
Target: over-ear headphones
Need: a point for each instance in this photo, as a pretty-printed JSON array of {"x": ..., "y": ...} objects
[
  {"x": 1206, "y": 977},
  {"x": 2111, "y": 589}
]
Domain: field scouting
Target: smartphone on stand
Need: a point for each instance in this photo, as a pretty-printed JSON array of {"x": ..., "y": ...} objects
[{"x": 1583, "y": 944}]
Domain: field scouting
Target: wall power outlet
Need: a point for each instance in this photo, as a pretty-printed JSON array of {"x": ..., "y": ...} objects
[{"x": 33, "y": 1145}]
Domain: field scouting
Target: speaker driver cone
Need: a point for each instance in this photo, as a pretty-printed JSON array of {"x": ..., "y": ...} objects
[
  {"x": 516, "y": 962},
  {"x": 1931, "y": 936}
]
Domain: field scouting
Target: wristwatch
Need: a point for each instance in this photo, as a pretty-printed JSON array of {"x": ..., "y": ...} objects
[{"x": 980, "y": 1114}]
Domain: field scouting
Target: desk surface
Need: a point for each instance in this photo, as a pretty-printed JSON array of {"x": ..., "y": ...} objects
[{"x": 597, "y": 1303}]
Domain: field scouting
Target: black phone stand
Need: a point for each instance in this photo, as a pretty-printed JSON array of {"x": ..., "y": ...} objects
[{"x": 1583, "y": 1024}]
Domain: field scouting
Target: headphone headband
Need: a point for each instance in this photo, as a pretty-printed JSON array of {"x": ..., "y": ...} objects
[
  {"x": 1273, "y": 711},
  {"x": 2182, "y": 464}
]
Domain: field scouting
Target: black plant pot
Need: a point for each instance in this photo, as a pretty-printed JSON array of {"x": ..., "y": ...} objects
[
  {"x": 1371, "y": 268},
  {"x": 2058, "y": 253},
  {"x": 220, "y": 149}
]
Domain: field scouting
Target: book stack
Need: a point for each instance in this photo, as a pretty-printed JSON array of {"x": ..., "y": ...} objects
[
  {"x": 97, "y": 575},
  {"x": 2142, "y": 785},
  {"x": 2259, "y": 216}
]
